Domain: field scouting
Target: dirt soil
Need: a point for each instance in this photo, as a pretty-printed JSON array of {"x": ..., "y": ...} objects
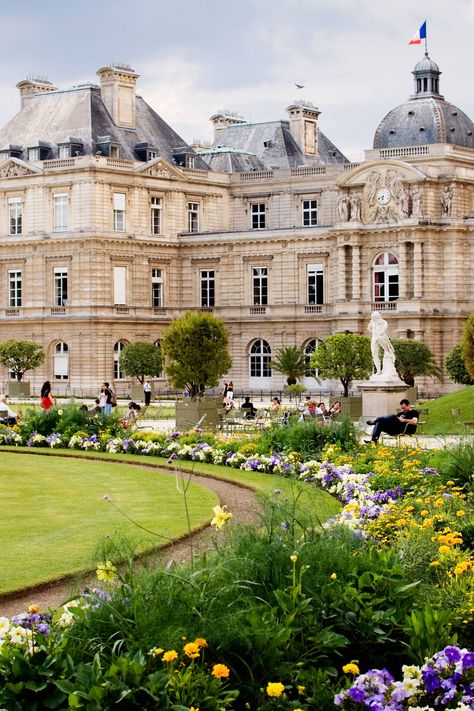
[{"x": 242, "y": 502}]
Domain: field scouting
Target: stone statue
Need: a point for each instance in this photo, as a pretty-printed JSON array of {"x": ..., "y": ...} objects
[
  {"x": 446, "y": 201},
  {"x": 417, "y": 201},
  {"x": 355, "y": 208},
  {"x": 342, "y": 208},
  {"x": 404, "y": 199},
  {"x": 384, "y": 370}
]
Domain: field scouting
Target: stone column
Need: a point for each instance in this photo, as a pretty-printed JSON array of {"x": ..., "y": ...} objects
[
  {"x": 341, "y": 273},
  {"x": 356, "y": 272},
  {"x": 418, "y": 270},
  {"x": 402, "y": 274}
]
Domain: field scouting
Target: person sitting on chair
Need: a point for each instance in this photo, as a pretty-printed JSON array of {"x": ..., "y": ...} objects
[
  {"x": 7, "y": 416},
  {"x": 405, "y": 422},
  {"x": 251, "y": 410},
  {"x": 335, "y": 409},
  {"x": 131, "y": 415}
]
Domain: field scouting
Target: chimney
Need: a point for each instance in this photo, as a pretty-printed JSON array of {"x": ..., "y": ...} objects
[
  {"x": 223, "y": 119},
  {"x": 304, "y": 126},
  {"x": 117, "y": 89},
  {"x": 32, "y": 86}
]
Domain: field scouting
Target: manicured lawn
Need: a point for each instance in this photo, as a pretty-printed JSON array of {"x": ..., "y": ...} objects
[
  {"x": 439, "y": 416},
  {"x": 53, "y": 514}
]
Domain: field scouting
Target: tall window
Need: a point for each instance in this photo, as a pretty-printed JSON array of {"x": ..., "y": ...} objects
[
  {"x": 309, "y": 211},
  {"x": 157, "y": 288},
  {"x": 14, "y": 288},
  {"x": 118, "y": 348},
  {"x": 15, "y": 216},
  {"x": 61, "y": 361},
  {"x": 260, "y": 357},
  {"x": 193, "y": 217},
  {"x": 33, "y": 154},
  {"x": 60, "y": 212},
  {"x": 120, "y": 286},
  {"x": 60, "y": 286},
  {"x": 385, "y": 277},
  {"x": 156, "y": 212},
  {"x": 309, "y": 349},
  {"x": 260, "y": 286},
  {"x": 258, "y": 215},
  {"x": 315, "y": 282},
  {"x": 64, "y": 151},
  {"x": 208, "y": 287},
  {"x": 119, "y": 212}
]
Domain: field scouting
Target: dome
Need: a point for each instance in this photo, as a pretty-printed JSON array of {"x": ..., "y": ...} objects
[{"x": 426, "y": 117}]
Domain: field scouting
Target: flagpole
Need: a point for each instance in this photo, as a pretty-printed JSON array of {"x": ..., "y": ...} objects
[{"x": 426, "y": 40}]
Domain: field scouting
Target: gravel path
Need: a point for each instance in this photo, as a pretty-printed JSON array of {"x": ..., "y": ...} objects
[{"x": 240, "y": 500}]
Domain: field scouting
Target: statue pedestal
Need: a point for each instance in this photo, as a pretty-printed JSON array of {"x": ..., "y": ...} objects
[{"x": 381, "y": 398}]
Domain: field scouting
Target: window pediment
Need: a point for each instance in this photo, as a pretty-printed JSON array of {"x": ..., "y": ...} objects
[
  {"x": 160, "y": 168},
  {"x": 14, "y": 168}
]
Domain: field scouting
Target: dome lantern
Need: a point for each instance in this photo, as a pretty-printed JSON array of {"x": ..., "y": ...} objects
[{"x": 426, "y": 73}]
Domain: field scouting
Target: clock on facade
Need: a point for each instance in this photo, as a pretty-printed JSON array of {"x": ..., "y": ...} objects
[{"x": 383, "y": 196}]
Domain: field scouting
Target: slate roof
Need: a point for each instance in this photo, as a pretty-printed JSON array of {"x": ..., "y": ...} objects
[
  {"x": 273, "y": 145},
  {"x": 54, "y": 117}
]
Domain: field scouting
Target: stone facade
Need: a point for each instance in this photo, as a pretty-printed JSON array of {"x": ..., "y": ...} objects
[{"x": 97, "y": 251}]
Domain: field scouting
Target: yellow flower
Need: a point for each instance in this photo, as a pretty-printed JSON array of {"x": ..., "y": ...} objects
[
  {"x": 200, "y": 641},
  {"x": 220, "y": 516},
  {"x": 169, "y": 656},
  {"x": 156, "y": 651},
  {"x": 401, "y": 521},
  {"x": 351, "y": 668},
  {"x": 193, "y": 708},
  {"x": 275, "y": 689},
  {"x": 435, "y": 563},
  {"x": 191, "y": 650},
  {"x": 333, "y": 576},
  {"x": 460, "y": 513},
  {"x": 293, "y": 558},
  {"x": 106, "y": 571},
  {"x": 33, "y": 609},
  {"x": 444, "y": 549},
  {"x": 220, "y": 671},
  {"x": 425, "y": 512},
  {"x": 301, "y": 689}
]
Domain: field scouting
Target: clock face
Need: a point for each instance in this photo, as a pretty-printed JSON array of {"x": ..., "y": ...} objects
[{"x": 383, "y": 196}]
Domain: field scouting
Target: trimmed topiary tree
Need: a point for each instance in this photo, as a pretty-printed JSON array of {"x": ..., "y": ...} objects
[
  {"x": 345, "y": 357},
  {"x": 414, "y": 358},
  {"x": 142, "y": 359},
  {"x": 20, "y": 356},
  {"x": 468, "y": 345},
  {"x": 456, "y": 366}
]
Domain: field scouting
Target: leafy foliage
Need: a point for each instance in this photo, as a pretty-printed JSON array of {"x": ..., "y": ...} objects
[
  {"x": 468, "y": 345},
  {"x": 456, "y": 366},
  {"x": 344, "y": 356},
  {"x": 141, "y": 359},
  {"x": 20, "y": 356},
  {"x": 196, "y": 348},
  {"x": 414, "y": 358},
  {"x": 290, "y": 361}
]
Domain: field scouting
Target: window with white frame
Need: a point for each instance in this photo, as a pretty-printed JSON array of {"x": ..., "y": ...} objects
[
  {"x": 193, "y": 217},
  {"x": 157, "y": 288},
  {"x": 14, "y": 288},
  {"x": 114, "y": 151},
  {"x": 156, "y": 215},
  {"x": 60, "y": 212},
  {"x": 33, "y": 154},
  {"x": 15, "y": 216},
  {"x": 151, "y": 154},
  {"x": 309, "y": 213},
  {"x": 119, "y": 212},
  {"x": 191, "y": 162},
  {"x": 61, "y": 361},
  {"x": 260, "y": 359},
  {"x": 257, "y": 210},
  {"x": 315, "y": 283},
  {"x": 120, "y": 286},
  {"x": 118, "y": 349},
  {"x": 385, "y": 275},
  {"x": 309, "y": 349},
  {"x": 60, "y": 286},
  {"x": 207, "y": 279},
  {"x": 64, "y": 151},
  {"x": 260, "y": 286}
]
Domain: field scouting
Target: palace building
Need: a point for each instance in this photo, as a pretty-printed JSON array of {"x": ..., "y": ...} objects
[{"x": 111, "y": 225}]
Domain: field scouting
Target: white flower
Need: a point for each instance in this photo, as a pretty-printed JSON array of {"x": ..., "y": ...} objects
[
  {"x": 17, "y": 635},
  {"x": 4, "y": 626},
  {"x": 66, "y": 619}
]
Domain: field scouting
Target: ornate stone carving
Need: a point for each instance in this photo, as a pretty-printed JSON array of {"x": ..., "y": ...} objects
[
  {"x": 342, "y": 208},
  {"x": 387, "y": 198},
  {"x": 446, "y": 201},
  {"x": 156, "y": 171},
  {"x": 416, "y": 202},
  {"x": 355, "y": 207},
  {"x": 13, "y": 170}
]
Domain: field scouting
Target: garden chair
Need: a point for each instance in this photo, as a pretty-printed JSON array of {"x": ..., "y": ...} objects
[
  {"x": 456, "y": 418},
  {"x": 401, "y": 437},
  {"x": 423, "y": 421}
]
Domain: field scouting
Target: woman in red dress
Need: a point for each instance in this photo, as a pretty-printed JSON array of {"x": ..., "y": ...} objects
[{"x": 46, "y": 397}]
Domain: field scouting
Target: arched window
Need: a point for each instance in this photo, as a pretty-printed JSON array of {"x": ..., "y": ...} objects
[
  {"x": 309, "y": 349},
  {"x": 385, "y": 277},
  {"x": 61, "y": 361},
  {"x": 118, "y": 348},
  {"x": 260, "y": 356}
]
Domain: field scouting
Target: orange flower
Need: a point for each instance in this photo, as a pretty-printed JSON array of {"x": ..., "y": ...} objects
[
  {"x": 220, "y": 671},
  {"x": 191, "y": 650},
  {"x": 170, "y": 656}
]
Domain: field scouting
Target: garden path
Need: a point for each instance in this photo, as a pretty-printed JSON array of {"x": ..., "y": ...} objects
[{"x": 240, "y": 501}]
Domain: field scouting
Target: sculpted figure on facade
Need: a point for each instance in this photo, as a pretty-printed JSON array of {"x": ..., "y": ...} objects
[
  {"x": 12, "y": 170},
  {"x": 404, "y": 202},
  {"x": 446, "y": 201},
  {"x": 417, "y": 202},
  {"x": 342, "y": 208},
  {"x": 355, "y": 207},
  {"x": 385, "y": 369}
]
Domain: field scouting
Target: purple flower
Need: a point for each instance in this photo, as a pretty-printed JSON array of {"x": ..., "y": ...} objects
[
  {"x": 468, "y": 660},
  {"x": 277, "y": 491}
]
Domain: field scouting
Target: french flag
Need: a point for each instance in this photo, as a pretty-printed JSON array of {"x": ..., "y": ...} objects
[{"x": 421, "y": 34}]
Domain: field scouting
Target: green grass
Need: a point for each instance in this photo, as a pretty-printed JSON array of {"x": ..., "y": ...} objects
[
  {"x": 54, "y": 515},
  {"x": 439, "y": 417}
]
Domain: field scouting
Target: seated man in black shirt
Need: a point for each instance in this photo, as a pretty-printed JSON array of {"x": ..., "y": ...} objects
[
  {"x": 250, "y": 409},
  {"x": 405, "y": 422}
]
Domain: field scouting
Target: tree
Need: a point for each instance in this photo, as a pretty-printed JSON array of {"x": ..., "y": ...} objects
[
  {"x": 456, "y": 367},
  {"x": 20, "y": 356},
  {"x": 414, "y": 358},
  {"x": 291, "y": 362},
  {"x": 195, "y": 346},
  {"x": 468, "y": 345},
  {"x": 141, "y": 359},
  {"x": 344, "y": 356}
]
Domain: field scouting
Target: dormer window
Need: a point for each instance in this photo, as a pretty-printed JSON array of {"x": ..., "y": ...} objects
[
  {"x": 4, "y": 155},
  {"x": 33, "y": 154},
  {"x": 38, "y": 152},
  {"x": 64, "y": 151},
  {"x": 114, "y": 151},
  {"x": 151, "y": 155},
  {"x": 106, "y": 147}
]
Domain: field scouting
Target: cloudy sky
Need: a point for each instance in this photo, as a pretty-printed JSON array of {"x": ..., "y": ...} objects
[{"x": 198, "y": 56}]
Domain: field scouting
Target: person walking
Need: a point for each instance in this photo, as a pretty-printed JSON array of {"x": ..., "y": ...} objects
[
  {"x": 147, "y": 392},
  {"x": 108, "y": 399},
  {"x": 46, "y": 398}
]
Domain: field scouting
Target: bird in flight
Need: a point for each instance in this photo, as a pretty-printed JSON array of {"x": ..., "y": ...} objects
[{"x": 299, "y": 86}]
